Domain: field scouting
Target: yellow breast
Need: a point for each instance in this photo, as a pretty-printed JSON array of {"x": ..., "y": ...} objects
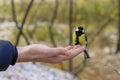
[{"x": 82, "y": 39}]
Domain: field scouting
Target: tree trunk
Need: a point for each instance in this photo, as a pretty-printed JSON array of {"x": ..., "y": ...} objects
[
  {"x": 52, "y": 22},
  {"x": 70, "y": 30},
  {"x": 118, "y": 42}
]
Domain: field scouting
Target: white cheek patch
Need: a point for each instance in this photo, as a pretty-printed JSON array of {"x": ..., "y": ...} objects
[
  {"x": 83, "y": 31},
  {"x": 77, "y": 29}
]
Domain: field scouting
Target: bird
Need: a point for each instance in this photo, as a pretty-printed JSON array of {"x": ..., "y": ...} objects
[{"x": 79, "y": 37}]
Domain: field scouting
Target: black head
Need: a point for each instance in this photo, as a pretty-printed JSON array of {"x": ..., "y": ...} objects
[{"x": 80, "y": 30}]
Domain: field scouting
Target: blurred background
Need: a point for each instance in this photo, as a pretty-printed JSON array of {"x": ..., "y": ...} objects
[{"x": 51, "y": 22}]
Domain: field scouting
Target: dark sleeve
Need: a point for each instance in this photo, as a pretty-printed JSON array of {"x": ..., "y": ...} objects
[{"x": 8, "y": 54}]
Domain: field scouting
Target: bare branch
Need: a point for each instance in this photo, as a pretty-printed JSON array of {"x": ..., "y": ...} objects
[
  {"x": 14, "y": 13},
  {"x": 16, "y": 22},
  {"x": 118, "y": 42},
  {"x": 70, "y": 20},
  {"x": 52, "y": 22},
  {"x": 35, "y": 12},
  {"x": 23, "y": 22},
  {"x": 101, "y": 27}
]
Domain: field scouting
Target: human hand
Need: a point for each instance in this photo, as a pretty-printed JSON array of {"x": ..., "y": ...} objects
[
  {"x": 54, "y": 55},
  {"x": 42, "y": 53}
]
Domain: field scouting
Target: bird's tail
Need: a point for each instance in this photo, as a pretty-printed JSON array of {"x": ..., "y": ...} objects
[{"x": 86, "y": 55}]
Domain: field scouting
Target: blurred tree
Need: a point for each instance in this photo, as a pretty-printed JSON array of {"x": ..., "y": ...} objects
[
  {"x": 16, "y": 21},
  {"x": 99, "y": 30},
  {"x": 70, "y": 29},
  {"x": 23, "y": 21},
  {"x": 52, "y": 22},
  {"x": 118, "y": 42}
]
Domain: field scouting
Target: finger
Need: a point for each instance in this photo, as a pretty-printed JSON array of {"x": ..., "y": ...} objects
[
  {"x": 74, "y": 52},
  {"x": 76, "y": 46},
  {"x": 69, "y": 47},
  {"x": 77, "y": 50},
  {"x": 58, "y": 51},
  {"x": 57, "y": 59}
]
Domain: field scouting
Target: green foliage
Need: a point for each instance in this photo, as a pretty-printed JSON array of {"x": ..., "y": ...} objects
[{"x": 42, "y": 34}]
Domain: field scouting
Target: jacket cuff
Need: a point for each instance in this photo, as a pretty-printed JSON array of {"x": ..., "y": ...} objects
[
  {"x": 15, "y": 55},
  {"x": 8, "y": 54}
]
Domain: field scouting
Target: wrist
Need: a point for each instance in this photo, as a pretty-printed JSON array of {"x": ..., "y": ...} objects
[{"x": 23, "y": 54}]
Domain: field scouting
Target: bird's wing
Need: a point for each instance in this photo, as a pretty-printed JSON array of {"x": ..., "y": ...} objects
[{"x": 74, "y": 38}]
